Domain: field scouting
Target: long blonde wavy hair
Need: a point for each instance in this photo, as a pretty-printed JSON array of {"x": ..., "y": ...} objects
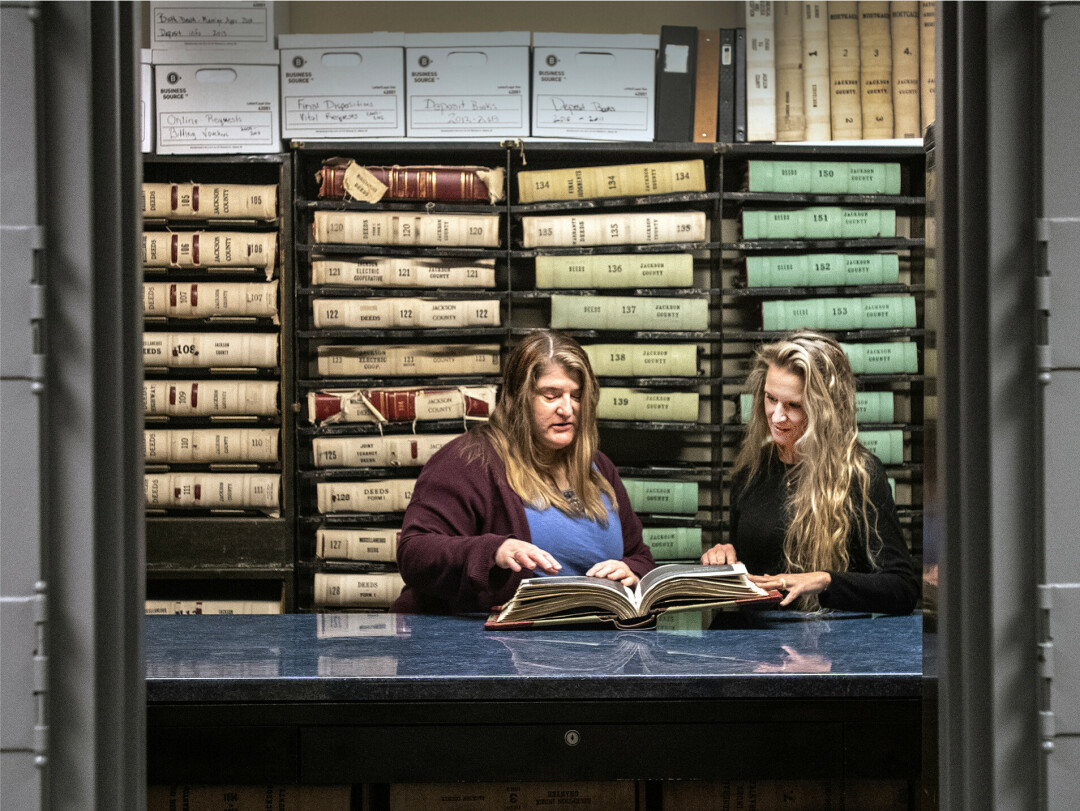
[
  {"x": 832, "y": 464},
  {"x": 531, "y": 471}
]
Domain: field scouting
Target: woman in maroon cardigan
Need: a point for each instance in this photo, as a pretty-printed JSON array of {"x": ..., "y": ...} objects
[{"x": 526, "y": 494}]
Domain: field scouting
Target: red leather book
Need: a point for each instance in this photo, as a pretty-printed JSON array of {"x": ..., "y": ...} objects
[
  {"x": 400, "y": 404},
  {"x": 437, "y": 183}
]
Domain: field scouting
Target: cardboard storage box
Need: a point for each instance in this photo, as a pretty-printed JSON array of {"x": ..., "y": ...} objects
[
  {"x": 225, "y": 24},
  {"x": 467, "y": 86},
  {"x": 216, "y": 102},
  {"x": 595, "y": 86},
  {"x": 340, "y": 86},
  {"x": 146, "y": 100}
]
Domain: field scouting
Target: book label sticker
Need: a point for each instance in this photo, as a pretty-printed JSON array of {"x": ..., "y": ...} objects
[{"x": 362, "y": 184}]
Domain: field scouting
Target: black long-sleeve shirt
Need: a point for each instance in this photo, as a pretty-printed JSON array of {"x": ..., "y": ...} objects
[{"x": 759, "y": 520}]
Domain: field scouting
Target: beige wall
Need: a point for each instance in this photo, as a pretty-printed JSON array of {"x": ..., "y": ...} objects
[{"x": 612, "y": 17}]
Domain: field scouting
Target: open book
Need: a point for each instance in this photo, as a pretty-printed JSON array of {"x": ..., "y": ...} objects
[{"x": 572, "y": 600}]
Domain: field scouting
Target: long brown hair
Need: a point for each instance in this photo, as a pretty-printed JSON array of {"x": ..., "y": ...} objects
[
  {"x": 530, "y": 472},
  {"x": 830, "y": 460}
]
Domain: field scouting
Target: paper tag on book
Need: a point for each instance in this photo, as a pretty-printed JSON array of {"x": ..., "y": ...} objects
[{"x": 363, "y": 185}]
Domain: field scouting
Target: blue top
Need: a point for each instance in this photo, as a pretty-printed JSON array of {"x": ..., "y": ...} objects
[{"x": 577, "y": 543}]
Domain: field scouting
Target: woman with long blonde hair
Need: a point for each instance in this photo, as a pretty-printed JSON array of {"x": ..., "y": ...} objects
[
  {"x": 808, "y": 500},
  {"x": 527, "y": 494}
]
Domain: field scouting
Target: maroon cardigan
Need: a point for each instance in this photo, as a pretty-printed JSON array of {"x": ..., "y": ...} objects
[{"x": 460, "y": 513}]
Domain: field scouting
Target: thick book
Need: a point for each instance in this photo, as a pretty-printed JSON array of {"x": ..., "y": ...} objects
[
  {"x": 406, "y": 228},
  {"x": 927, "y": 35},
  {"x": 406, "y": 360},
  {"x": 409, "y": 313},
  {"x": 904, "y": 29},
  {"x": 400, "y": 404},
  {"x": 845, "y": 96},
  {"x": 258, "y": 492},
  {"x": 887, "y": 445},
  {"x": 210, "y": 398},
  {"x": 673, "y": 543},
  {"x": 380, "y": 496},
  {"x": 619, "y": 180},
  {"x": 571, "y": 600},
  {"x": 873, "y": 312},
  {"x": 643, "y": 360},
  {"x": 739, "y": 106},
  {"x": 725, "y": 93},
  {"x": 403, "y": 271},
  {"x": 615, "y": 271},
  {"x": 662, "y": 496},
  {"x": 377, "y": 451},
  {"x": 676, "y": 66},
  {"x": 209, "y": 350},
  {"x": 790, "y": 105},
  {"x": 895, "y": 357},
  {"x": 195, "y": 250},
  {"x": 823, "y": 177},
  {"x": 870, "y": 406},
  {"x": 760, "y": 72},
  {"x": 819, "y": 222},
  {"x": 822, "y": 270},
  {"x": 345, "y": 179},
  {"x": 211, "y": 300},
  {"x": 208, "y": 201},
  {"x": 355, "y": 590},
  {"x": 815, "y": 56},
  {"x": 875, "y": 70},
  {"x": 649, "y": 405},
  {"x": 706, "y": 85},
  {"x": 629, "y": 313},
  {"x": 166, "y": 607},
  {"x": 585, "y": 230},
  {"x": 210, "y": 445},
  {"x": 374, "y": 545}
]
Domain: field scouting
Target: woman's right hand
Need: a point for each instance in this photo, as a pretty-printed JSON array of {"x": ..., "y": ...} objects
[
  {"x": 720, "y": 554},
  {"x": 517, "y": 555}
]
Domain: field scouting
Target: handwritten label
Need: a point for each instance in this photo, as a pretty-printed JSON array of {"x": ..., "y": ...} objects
[
  {"x": 215, "y": 24},
  {"x": 341, "y": 112},
  {"x": 362, "y": 185},
  {"x": 593, "y": 112},
  {"x": 215, "y": 127},
  {"x": 472, "y": 113}
]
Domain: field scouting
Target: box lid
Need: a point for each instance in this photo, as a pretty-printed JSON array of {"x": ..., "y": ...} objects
[
  {"x": 549, "y": 39},
  {"x": 376, "y": 39},
  {"x": 484, "y": 39},
  {"x": 206, "y": 56}
]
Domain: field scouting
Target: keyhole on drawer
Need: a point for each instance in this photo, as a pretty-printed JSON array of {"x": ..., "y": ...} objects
[{"x": 572, "y": 737}]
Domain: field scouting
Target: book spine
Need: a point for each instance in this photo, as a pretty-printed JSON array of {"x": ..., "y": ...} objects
[
  {"x": 629, "y": 312},
  {"x": 844, "y": 71},
  {"x": 207, "y": 350},
  {"x": 210, "y": 445},
  {"x": 822, "y": 270},
  {"x": 740, "y": 82},
  {"x": 375, "y": 545},
  {"x": 673, "y": 543},
  {"x": 647, "y": 405},
  {"x": 677, "y": 498},
  {"x": 606, "y": 271},
  {"x": 380, "y": 313},
  {"x": 377, "y": 451},
  {"x": 707, "y": 86},
  {"x": 407, "y": 228},
  {"x": 383, "y": 496},
  {"x": 878, "y": 312},
  {"x": 202, "y": 300},
  {"x": 819, "y": 222},
  {"x": 407, "y": 360},
  {"x": 445, "y": 183},
  {"x": 214, "y": 491},
  {"x": 191, "y": 250},
  {"x": 870, "y": 407},
  {"x": 401, "y": 405},
  {"x": 220, "y": 607},
  {"x": 888, "y": 445},
  {"x": 823, "y": 177},
  {"x": 375, "y": 590},
  {"x": 210, "y": 398},
  {"x": 621, "y": 180},
  {"x": 927, "y": 97},
  {"x": 875, "y": 70},
  {"x": 815, "y": 57},
  {"x": 904, "y": 30},
  {"x": 790, "y": 104},
  {"x": 760, "y": 72},
  {"x": 200, "y": 201},
  {"x": 643, "y": 360},
  {"x": 676, "y": 67},
  {"x": 883, "y": 358},
  {"x": 725, "y": 104},
  {"x": 395, "y": 271},
  {"x": 577, "y": 230}
]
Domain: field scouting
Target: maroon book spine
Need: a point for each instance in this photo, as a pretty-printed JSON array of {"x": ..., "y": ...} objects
[{"x": 412, "y": 183}]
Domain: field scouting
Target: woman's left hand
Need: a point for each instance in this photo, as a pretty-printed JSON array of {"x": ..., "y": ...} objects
[
  {"x": 614, "y": 570},
  {"x": 793, "y": 584}
]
